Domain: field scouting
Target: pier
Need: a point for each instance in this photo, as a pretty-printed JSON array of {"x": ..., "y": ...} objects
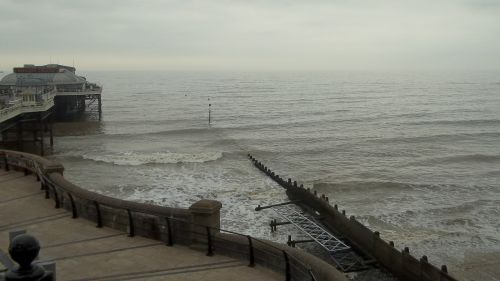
[
  {"x": 88, "y": 236},
  {"x": 27, "y": 116},
  {"x": 32, "y": 96}
]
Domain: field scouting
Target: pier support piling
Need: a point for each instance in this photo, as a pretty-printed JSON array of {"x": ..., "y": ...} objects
[
  {"x": 51, "y": 135},
  {"x": 20, "y": 136},
  {"x": 99, "y": 104},
  {"x": 41, "y": 126}
]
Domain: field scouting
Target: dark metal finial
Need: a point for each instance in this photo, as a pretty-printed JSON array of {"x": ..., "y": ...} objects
[{"x": 24, "y": 249}]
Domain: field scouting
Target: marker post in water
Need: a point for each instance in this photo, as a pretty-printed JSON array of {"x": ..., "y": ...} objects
[{"x": 209, "y": 111}]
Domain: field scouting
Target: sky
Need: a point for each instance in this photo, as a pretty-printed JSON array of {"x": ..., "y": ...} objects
[{"x": 252, "y": 35}]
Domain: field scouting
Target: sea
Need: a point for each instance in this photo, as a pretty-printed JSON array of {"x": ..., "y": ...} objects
[{"x": 413, "y": 155}]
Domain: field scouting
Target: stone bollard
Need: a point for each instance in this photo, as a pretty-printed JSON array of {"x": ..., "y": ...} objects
[
  {"x": 205, "y": 213},
  {"x": 24, "y": 249}
]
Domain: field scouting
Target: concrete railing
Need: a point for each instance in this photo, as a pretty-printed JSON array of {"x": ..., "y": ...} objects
[
  {"x": 197, "y": 226},
  {"x": 400, "y": 263}
]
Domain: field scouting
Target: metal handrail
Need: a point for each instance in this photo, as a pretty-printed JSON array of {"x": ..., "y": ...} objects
[
  {"x": 209, "y": 230},
  {"x": 49, "y": 185}
]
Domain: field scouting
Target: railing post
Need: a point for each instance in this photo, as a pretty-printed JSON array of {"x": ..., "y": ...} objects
[
  {"x": 6, "y": 163},
  {"x": 131, "y": 231},
  {"x": 250, "y": 252},
  {"x": 288, "y": 275},
  {"x": 170, "y": 241},
  {"x": 313, "y": 278},
  {"x": 73, "y": 207},
  {"x": 210, "y": 251},
  {"x": 47, "y": 193},
  {"x": 56, "y": 198},
  {"x": 98, "y": 211}
]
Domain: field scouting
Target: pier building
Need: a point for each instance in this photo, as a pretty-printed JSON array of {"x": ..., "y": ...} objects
[
  {"x": 73, "y": 93},
  {"x": 32, "y": 96}
]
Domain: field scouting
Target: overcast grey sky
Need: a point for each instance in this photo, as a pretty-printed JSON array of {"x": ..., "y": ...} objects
[{"x": 252, "y": 35}]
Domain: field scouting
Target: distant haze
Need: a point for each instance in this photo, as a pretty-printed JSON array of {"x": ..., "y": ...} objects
[{"x": 252, "y": 35}]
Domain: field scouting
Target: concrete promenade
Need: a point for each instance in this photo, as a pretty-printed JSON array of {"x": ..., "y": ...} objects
[{"x": 82, "y": 251}]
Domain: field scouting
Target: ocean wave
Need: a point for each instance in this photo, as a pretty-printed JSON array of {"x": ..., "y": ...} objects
[
  {"x": 136, "y": 159},
  {"x": 145, "y": 132},
  {"x": 366, "y": 185},
  {"x": 492, "y": 174},
  {"x": 471, "y": 158},
  {"x": 440, "y": 137},
  {"x": 471, "y": 122},
  {"x": 189, "y": 131},
  {"x": 452, "y": 216}
]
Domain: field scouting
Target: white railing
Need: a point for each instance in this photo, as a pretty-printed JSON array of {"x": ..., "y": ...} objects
[
  {"x": 76, "y": 92},
  {"x": 27, "y": 102},
  {"x": 11, "y": 111}
]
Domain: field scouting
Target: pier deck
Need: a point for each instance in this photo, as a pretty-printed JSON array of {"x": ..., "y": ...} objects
[{"x": 83, "y": 252}]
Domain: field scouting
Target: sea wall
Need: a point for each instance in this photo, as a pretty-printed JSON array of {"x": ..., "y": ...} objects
[
  {"x": 197, "y": 226},
  {"x": 400, "y": 263}
]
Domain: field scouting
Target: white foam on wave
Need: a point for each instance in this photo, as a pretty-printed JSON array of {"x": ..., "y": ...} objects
[
  {"x": 239, "y": 195},
  {"x": 136, "y": 158}
]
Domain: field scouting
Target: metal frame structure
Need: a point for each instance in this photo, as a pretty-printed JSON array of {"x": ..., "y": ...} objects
[
  {"x": 342, "y": 254},
  {"x": 91, "y": 106}
]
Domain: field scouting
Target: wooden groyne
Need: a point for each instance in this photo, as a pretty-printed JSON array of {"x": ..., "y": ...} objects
[
  {"x": 197, "y": 226},
  {"x": 400, "y": 263}
]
